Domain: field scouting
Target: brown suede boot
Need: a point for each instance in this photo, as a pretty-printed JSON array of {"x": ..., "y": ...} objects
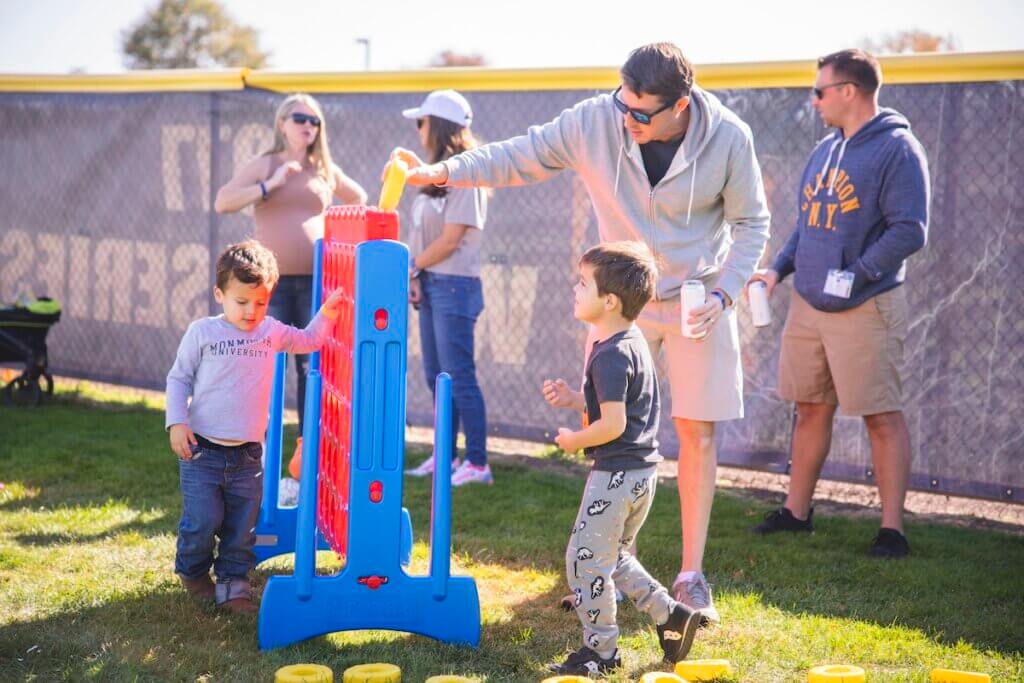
[
  {"x": 201, "y": 587},
  {"x": 240, "y": 606}
]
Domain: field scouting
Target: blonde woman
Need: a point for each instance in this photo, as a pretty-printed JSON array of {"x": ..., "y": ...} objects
[{"x": 290, "y": 186}]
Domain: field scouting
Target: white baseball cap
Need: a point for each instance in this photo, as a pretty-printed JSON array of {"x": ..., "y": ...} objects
[{"x": 444, "y": 104}]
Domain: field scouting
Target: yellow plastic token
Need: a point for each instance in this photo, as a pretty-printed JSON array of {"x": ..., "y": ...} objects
[
  {"x": 836, "y": 673},
  {"x": 373, "y": 673},
  {"x": 661, "y": 677},
  {"x": 304, "y": 673},
  {"x": 951, "y": 676},
  {"x": 568, "y": 679},
  {"x": 703, "y": 669},
  {"x": 394, "y": 181},
  {"x": 450, "y": 679}
]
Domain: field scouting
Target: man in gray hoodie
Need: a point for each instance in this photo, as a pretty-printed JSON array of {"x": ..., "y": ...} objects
[{"x": 666, "y": 163}]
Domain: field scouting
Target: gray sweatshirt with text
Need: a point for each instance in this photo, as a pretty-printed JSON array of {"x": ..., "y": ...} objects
[{"x": 228, "y": 374}]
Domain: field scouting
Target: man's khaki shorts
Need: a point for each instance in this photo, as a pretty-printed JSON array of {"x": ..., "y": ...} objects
[
  {"x": 705, "y": 377},
  {"x": 849, "y": 358}
]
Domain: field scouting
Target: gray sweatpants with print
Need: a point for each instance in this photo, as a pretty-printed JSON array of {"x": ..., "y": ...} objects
[{"x": 597, "y": 561}]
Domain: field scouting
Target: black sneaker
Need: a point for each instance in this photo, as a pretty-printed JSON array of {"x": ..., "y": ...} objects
[
  {"x": 889, "y": 543},
  {"x": 783, "y": 520},
  {"x": 676, "y": 634},
  {"x": 586, "y": 662}
]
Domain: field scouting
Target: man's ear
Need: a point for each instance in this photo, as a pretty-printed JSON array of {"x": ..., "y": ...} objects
[
  {"x": 218, "y": 295},
  {"x": 681, "y": 104}
]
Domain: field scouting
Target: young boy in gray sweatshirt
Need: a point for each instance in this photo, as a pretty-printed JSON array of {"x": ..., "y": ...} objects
[
  {"x": 225, "y": 365},
  {"x": 621, "y": 402}
]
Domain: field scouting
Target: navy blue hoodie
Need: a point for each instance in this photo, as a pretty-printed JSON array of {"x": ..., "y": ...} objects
[{"x": 863, "y": 208}]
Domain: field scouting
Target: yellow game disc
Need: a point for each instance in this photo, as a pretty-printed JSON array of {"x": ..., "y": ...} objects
[
  {"x": 373, "y": 673},
  {"x": 304, "y": 673},
  {"x": 703, "y": 669},
  {"x": 450, "y": 679},
  {"x": 568, "y": 679},
  {"x": 836, "y": 673},
  {"x": 661, "y": 677},
  {"x": 951, "y": 676}
]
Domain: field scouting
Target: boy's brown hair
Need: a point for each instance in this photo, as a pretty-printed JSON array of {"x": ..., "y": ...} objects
[
  {"x": 248, "y": 262},
  {"x": 626, "y": 269}
]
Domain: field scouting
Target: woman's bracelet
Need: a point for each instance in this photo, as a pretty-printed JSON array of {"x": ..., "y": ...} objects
[{"x": 263, "y": 191}]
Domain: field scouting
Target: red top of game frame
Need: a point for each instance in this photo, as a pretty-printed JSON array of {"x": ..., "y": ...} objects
[{"x": 355, "y": 224}]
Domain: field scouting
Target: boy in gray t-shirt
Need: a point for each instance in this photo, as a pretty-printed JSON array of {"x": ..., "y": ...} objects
[
  {"x": 225, "y": 366},
  {"x": 621, "y": 404}
]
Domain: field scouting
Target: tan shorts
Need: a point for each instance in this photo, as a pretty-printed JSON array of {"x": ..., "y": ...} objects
[
  {"x": 705, "y": 377},
  {"x": 850, "y": 358}
]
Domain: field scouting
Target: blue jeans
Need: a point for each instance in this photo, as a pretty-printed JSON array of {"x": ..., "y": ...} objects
[
  {"x": 448, "y": 312},
  {"x": 290, "y": 304},
  {"x": 221, "y": 490}
]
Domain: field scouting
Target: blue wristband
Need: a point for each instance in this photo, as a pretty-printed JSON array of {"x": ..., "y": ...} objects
[
  {"x": 263, "y": 191},
  {"x": 721, "y": 297}
]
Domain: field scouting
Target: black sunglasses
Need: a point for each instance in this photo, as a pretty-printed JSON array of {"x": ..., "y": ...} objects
[
  {"x": 638, "y": 116},
  {"x": 820, "y": 92},
  {"x": 306, "y": 118},
  {"x": 419, "y": 123}
]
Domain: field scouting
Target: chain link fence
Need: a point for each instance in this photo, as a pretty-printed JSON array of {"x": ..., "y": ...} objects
[{"x": 108, "y": 207}]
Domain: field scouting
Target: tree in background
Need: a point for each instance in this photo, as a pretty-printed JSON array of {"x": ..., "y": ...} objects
[
  {"x": 189, "y": 34},
  {"x": 914, "y": 40},
  {"x": 450, "y": 58}
]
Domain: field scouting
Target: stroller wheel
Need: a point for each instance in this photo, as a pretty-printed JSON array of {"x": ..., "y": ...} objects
[{"x": 22, "y": 393}]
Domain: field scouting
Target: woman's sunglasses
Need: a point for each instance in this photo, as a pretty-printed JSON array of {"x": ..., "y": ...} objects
[
  {"x": 419, "y": 123},
  {"x": 638, "y": 116},
  {"x": 306, "y": 118}
]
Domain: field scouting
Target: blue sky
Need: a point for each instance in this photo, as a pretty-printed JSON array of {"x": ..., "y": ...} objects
[{"x": 56, "y": 36}]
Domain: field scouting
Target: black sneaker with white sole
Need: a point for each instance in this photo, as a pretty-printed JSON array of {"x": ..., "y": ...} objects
[
  {"x": 783, "y": 520},
  {"x": 676, "y": 634},
  {"x": 586, "y": 662}
]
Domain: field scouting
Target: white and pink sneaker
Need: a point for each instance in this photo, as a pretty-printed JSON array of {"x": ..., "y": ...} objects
[
  {"x": 426, "y": 468},
  {"x": 468, "y": 473}
]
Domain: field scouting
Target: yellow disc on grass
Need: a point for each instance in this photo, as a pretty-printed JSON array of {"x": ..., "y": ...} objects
[
  {"x": 304, "y": 673},
  {"x": 836, "y": 673},
  {"x": 952, "y": 676},
  {"x": 661, "y": 677},
  {"x": 568, "y": 679},
  {"x": 703, "y": 669},
  {"x": 450, "y": 679},
  {"x": 373, "y": 673}
]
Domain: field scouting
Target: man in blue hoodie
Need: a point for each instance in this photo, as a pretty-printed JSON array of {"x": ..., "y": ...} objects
[
  {"x": 666, "y": 163},
  {"x": 863, "y": 210}
]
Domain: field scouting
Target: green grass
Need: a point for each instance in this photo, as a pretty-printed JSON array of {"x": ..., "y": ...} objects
[{"x": 87, "y": 531}]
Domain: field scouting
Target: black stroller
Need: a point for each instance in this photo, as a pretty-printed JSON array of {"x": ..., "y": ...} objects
[{"x": 23, "y": 340}]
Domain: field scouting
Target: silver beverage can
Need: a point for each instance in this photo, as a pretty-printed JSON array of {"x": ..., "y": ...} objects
[
  {"x": 692, "y": 296},
  {"x": 760, "y": 311}
]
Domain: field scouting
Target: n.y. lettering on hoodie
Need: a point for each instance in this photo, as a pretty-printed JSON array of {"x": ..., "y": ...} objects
[{"x": 863, "y": 208}]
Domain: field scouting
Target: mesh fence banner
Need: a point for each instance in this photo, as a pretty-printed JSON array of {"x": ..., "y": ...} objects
[{"x": 107, "y": 205}]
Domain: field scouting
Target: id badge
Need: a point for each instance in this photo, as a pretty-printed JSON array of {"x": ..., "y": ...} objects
[{"x": 839, "y": 283}]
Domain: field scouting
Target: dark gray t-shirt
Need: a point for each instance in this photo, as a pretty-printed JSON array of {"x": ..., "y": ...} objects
[
  {"x": 658, "y": 156},
  {"x": 620, "y": 368}
]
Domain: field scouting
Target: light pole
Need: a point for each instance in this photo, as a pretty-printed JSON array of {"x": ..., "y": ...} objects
[{"x": 365, "y": 42}]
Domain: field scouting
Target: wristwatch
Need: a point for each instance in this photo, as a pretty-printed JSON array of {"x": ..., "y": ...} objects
[{"x": 721, "y": 297}]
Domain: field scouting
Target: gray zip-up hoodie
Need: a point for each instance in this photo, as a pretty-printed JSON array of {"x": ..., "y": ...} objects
[{"x": 706, "y": 219}]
